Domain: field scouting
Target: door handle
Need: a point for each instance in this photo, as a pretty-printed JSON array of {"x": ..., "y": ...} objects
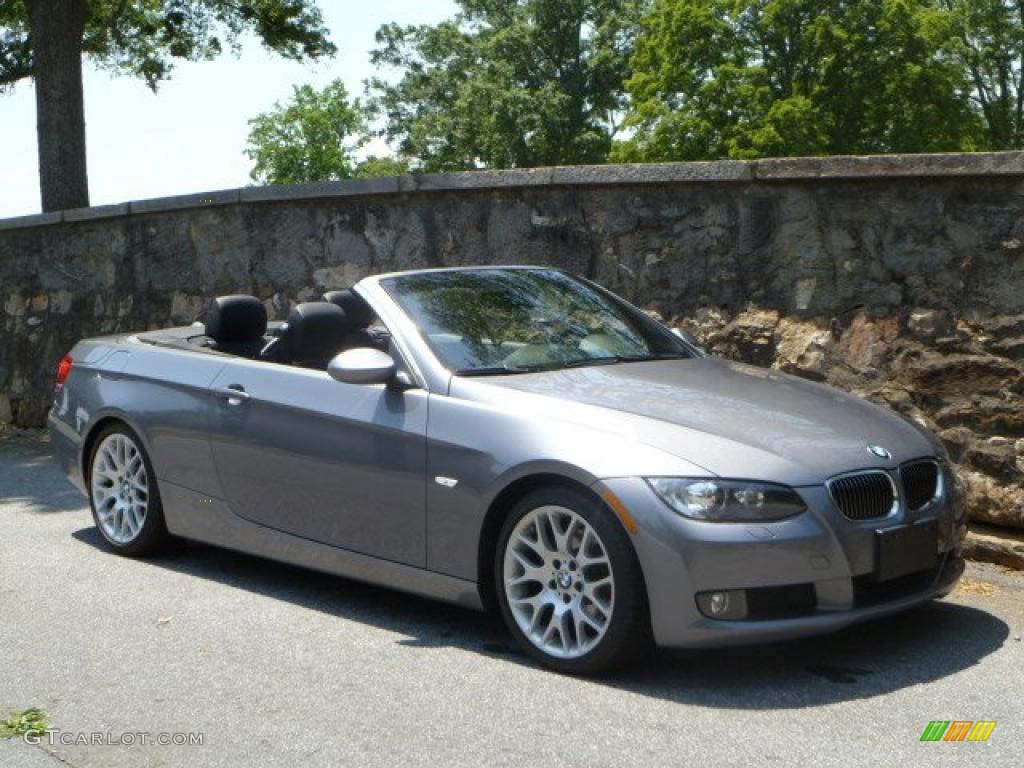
[{"x": 235, "y": 394}]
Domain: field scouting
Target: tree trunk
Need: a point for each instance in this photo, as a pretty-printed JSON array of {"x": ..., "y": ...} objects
[{"x": 57, "y": 27}]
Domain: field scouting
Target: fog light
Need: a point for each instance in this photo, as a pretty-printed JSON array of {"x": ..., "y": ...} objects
[{"x": 723, "y": 604}]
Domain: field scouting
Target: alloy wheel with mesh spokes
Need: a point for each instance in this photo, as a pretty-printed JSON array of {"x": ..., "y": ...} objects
[
  {"x": 569, "y": 583},
  {"x": 125, "y": 502},
  {"x": 120, "y": 488},
  {"x": 558, "y": 581}
]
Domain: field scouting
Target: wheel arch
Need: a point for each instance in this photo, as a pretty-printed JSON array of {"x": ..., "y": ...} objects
[{"x": 93, "y": 433}]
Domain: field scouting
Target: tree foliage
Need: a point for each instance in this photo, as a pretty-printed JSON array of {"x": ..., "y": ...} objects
[
  {"x": 144, "y": 37},
  {"x": 47, "y": 40},
  {"x": 987, "y": 42},
  {"x": 521, "y": 83},
  {"x": 751, "y": 78},
  {"x": 507, "y": 83},
  {"x": 375, "y": 165},
  {"x": 315, "y": 136},
  {"x": 311, "y": 138}
]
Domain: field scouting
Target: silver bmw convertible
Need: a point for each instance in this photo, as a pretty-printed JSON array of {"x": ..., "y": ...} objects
[{"x": 520, "y": 439}]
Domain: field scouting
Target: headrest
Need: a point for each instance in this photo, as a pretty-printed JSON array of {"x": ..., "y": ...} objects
[
  {"x": 355, "y": 306},
  {"x": 316, "y": 331},
  {"x": 236, "y": 318}
]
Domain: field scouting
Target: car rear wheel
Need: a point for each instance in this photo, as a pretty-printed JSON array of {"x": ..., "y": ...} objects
[
  {"x": 569, "y": 584},
  {"x": 122, "y": 490}
]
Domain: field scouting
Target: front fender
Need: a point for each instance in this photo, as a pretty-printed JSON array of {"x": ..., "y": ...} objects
[{"x": 477, "y": 449}]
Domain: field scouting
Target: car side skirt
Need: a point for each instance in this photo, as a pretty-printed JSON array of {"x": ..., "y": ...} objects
[{"x": 191, "y": 515}]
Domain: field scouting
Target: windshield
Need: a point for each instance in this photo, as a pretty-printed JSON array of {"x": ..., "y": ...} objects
[{"x": 518, "y": 320}]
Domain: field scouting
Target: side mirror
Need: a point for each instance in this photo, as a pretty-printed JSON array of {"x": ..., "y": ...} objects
[{"x": 363, "y": 365}]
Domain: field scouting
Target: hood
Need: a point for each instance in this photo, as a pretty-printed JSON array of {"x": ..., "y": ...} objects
[{"x": 732, "y": 419}]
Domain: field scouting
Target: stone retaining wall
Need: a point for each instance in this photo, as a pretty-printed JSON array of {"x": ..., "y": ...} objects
[{"x": 898, "y": 277}]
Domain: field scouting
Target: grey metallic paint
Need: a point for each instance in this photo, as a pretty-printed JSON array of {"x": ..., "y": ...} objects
[
  {"x": 341, "y": 477},
  {"x": 338, "y": 463}
]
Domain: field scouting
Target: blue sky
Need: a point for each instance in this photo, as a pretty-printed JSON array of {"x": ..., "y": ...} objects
[{"x": 189, "y": 135}]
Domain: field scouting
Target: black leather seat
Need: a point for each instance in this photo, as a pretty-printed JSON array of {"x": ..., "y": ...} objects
[
  {"x": 360, "y": 315},
  {"x": 355, "y": 306},
  {"x": 236, "y": 324},
  {"x": 316, "y": 331}
]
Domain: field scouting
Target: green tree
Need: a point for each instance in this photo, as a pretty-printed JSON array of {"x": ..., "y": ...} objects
[
  {"x": 311, "y": 138},
  {"x": 988, "y": 42},
  {"x": 507, "y": 83},
  {"x": 753, "y": 78},
  {"x": 47, "y": 40},
  {"x": 374, "y": 166}
]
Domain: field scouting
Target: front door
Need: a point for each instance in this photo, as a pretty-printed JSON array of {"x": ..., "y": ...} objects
[{"x": 337, "y": 463}]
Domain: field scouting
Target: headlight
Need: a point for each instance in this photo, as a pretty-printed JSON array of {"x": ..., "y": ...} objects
[{"x": 732, "y": 501}]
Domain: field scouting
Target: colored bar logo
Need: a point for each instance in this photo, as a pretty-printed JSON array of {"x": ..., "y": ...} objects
[{"x": 958, "y": 730}]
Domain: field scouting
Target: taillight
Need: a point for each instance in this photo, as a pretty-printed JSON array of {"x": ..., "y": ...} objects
[{"x": 63, "y": 369}]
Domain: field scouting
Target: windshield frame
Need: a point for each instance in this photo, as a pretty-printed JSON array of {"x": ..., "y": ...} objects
[{"x": 654, "y": 333}]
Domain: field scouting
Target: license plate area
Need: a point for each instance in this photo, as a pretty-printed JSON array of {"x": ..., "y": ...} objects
[{"x": 906, "y": 549}]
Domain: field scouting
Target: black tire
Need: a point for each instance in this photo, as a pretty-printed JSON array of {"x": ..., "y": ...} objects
[
  {"x": 153, "y": 536},
  {"x": 628, "y": 632}
]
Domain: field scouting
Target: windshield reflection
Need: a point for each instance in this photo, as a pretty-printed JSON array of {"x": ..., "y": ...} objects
[{"x": 505, "y": 321}]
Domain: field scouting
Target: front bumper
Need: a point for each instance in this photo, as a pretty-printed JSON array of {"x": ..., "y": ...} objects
[{"x": 820, "y": 551}]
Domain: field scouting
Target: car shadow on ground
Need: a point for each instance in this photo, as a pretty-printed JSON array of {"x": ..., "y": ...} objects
[
  {"x": 931, "y": 642},
  {"x": 29, "y": 475}
]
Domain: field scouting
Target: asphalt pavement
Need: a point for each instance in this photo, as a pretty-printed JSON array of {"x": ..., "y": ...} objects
[{"x": 272, "y": 665}]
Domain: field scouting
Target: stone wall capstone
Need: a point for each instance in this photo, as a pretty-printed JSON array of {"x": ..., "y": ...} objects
[{"x": 900, "y": 278}]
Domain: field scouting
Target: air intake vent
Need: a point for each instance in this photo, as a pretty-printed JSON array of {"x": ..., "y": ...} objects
[
  {"x": 864, "y": 495},
  {"x": 920, "y": 483}
]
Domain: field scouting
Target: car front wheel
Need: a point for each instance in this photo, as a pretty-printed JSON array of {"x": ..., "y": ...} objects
[{"x": 569, "y": 583}]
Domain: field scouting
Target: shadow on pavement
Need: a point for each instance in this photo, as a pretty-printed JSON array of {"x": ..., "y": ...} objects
[
  {"x": 928, "y": 643},
  {"x": 931, "y": 642},
  {"x": 29, "y": 475}
]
